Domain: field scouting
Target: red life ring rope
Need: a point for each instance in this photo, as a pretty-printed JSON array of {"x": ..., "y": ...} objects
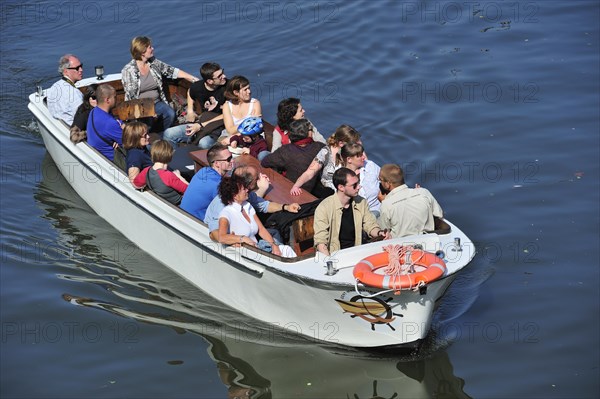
[{"x": 401, "y": 272}]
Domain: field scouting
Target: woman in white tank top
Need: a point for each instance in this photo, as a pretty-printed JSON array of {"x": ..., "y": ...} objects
[{"x": 240, "y": 104}]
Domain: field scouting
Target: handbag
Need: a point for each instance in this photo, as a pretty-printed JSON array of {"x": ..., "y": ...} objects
[
  {"x": 120, "y": 158},
  {"x": 212, "y": 129},
  {"x": 119, "y": 153}
]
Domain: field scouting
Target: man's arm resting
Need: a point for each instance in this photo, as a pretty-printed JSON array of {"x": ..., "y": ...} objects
[{"x": 323, "y": 249}]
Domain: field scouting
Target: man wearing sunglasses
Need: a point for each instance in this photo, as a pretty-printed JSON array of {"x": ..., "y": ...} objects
[
  {"x": 204, "y": 185},
  {"x": 205, "y": 101},
  {"x": 341, "y": 219},
  {"x": 209, "y": 93},
  {"x": 63, "y": 97}
]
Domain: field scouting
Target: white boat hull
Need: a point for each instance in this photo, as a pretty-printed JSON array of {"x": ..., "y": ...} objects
[{"x": 296, "y": 297}]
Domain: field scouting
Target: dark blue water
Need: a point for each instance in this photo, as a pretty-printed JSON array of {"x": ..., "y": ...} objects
[{"x": 493, "y": 106}]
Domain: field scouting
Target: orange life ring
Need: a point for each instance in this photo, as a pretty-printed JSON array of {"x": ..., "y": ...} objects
[{"x": 364, "y": 270}]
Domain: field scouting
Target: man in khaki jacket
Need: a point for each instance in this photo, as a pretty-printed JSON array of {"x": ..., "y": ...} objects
[
  {"x": 341, "y": 218},
  {"x": 405, "y": 211}
]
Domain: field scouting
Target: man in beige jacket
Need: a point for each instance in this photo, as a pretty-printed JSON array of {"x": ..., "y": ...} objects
[
  {"x": 405, "y": 211},
  {"x": 341, "y": 218}
]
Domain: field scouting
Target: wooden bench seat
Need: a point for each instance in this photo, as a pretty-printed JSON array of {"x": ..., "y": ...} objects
[
  {"x": 302, "y": 236},
  {"x": 134, "y": 109}
]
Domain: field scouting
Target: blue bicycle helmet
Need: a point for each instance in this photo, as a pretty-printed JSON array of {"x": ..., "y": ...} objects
[{"x": 251, "y": 125}]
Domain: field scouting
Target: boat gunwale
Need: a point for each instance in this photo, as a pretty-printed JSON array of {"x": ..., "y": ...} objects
[{"x": 41, "y": 106}]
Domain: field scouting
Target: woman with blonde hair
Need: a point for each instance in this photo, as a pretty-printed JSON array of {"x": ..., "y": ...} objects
[
  {"x": 142, "y": 78},
  {"x": 326, "y": 160}
]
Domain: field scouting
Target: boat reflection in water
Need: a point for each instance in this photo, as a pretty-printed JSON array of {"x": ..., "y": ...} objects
[{"x": 252, "y": 359}]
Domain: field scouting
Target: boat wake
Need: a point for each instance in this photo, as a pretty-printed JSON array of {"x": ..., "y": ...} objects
[{"x": 458, "y": 299}]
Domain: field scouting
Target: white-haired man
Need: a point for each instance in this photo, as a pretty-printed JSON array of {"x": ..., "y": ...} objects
[{"x": 63, "y": 97}]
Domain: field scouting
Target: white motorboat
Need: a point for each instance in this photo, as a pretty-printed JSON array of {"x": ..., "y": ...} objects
[{"x": 303, "y": 295}]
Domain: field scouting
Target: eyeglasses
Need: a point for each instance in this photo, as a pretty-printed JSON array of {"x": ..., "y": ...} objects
[
  {"x": 225, "y": 160},
  {"x": 220, "y": 75},
  {"x": 250, "y": 181},
  {"x": 80, "y": 66}
]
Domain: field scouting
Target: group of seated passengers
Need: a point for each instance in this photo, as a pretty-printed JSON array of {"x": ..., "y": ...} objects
[
  {"x": 205, "y": 199},
  {"x": 320, "y": 167},
  {"x": 315, "y": 162},
  {"x": 343, "y": 219},
  {"x": 258, "y": 184}
]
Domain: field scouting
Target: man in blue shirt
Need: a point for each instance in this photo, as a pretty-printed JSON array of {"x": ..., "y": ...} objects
[
  {"x": 258, "y": 185},
  {"x": 103, "y": 130},
  {"x": 204, "y": 185}
]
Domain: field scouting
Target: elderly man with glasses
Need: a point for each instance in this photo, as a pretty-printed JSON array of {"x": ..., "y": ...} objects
[
  {"x": 204, "y": 185},
  {"x": 341, "y": 219},
  {"x": 63, "y": 97}
]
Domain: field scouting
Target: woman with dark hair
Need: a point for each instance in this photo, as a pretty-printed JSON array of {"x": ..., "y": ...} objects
[
  {"x": 80, "y": 119},
  {"x": 238, "y": 222},
  {"x": 135, "y": 141},
  {"x": 326, "y": 160},
  {"x": 239, "y": 104},
  {"x": 290, "y": 110},
  {"x": 292, "y": 160},
  {"x": 142, "y": 78},
  {"x": 352, "y": 156}
]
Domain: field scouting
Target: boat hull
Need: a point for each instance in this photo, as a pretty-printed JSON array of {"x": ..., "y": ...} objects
[{"x": 296, "y": 298}]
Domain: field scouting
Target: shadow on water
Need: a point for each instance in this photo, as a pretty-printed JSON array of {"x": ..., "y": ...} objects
[{"x": 252, "y": 359}]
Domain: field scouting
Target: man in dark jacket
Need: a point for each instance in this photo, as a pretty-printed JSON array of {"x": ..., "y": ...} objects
[{"x": 293, "y": 159}]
